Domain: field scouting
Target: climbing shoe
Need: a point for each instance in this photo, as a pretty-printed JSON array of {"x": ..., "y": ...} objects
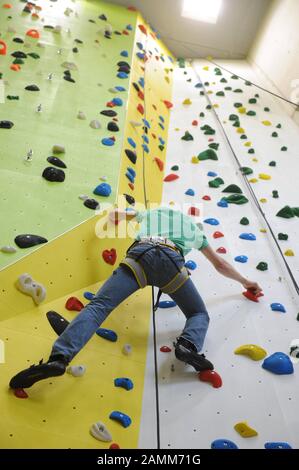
[
  {"x": 186, "y": 351},
  {"x": 26, "y": 378}
]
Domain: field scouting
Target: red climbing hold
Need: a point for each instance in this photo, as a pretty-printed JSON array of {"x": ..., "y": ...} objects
[
  {"x": 210, "y": 376},
  {"x": 141, "y": 95},
  {"x": 168, "y": 104},
  {"x": 109, "y": 256},
  {"x": 20, "y": 393},
  {"x": 159, "y": 163},
  {"x": 206, "y": 198},
  {"x": 211, "y": 140},
  {"x": 74, "y": 304},
  {"x": 125, "y": 32},
  {"x": 221, "y": 250},
  {"x": 131, "y": 8},
  {"x": 142, "y": 29},
  {"x": 171, "y": 177},
  {"x": 194, "y": 211},
  {"x": 3, "y": 47},
  {"x": 114, "y": 446},
  {"x": 194, "y": 123},
  {"x": 165, "y": 349},
  {"x": 218, "y": 235},
  {"x": 250, "y": 295},
  {"x": 33, "y": 33},
  {"x": 140, "y": 108},
  {"x": 110, "y": 104}
]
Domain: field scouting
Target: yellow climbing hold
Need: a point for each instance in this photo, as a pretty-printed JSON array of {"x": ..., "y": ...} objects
[
  {"x": 177, "y": 129},
  {"x": 263, "y": 176},
  {"x": 248, "y": 144},
  {"x": 289, "y": 253},
  {"x": 256, "y": 353},
  {"x": 216, "y": 105},
  {"x": 267, "y": 123},
  {"x": 210, "y": 92},
  {"x": 240, "y": 130},
  {"x": 242, "y": 110},
  {"x": 263, "y": 200},
  {"x": 206, "y": 68},
  {"x": 171, "y": 203},
  {"x": 245, "y": 430},
  {"x": 194, "y": 160},
  {"x": 210, "y": 57},
  {"x": 263, "y": 230},
  {"x": 255, "y": 160},
  {"x": 253, "y": 180},
  {"x": 167, "y": 79},
  {"x": 187, "y": 101}
]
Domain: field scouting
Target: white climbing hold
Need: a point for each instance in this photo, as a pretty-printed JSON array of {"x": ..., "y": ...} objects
[
  {"x": 41, "y": 44},
  {"x": 76, "y": 371},
  {"x": 113, "y": 90},
  {"x": 127, "y": 349},
  {"x": 8, "y": 249},
  {"x": 95, "y": 124},
  {"x": 69, "y": 66},
  {"x": 135, "y": 124},
  {"x": 83, "y": 197},
  {"x": 28, "y": 286},
  {"x": 100, "y": 432},
  {"x": 81, "y": 115},
  {"x": 103, "y": 178}
]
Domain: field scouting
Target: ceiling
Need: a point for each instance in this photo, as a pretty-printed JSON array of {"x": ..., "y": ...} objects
[{"x": 230, "y": 38}]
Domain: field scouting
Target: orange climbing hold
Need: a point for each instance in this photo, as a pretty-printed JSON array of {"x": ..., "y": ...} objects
[
  {"x": 131, "y": 8},
  {"x": 171, "y": 177},
  {"x": 168, "y": 104},
  {"x": 250, "y": 295},
  {"x": 159, "y": 163},
  {"x": 218, "y": 235},
  {"x": 195, "y": 123},
  {"x": 131, "y": 186},
  {"x": 3, "y": 47},
  {"x": 142, "y": 29},
  {"x": 109, "y": 256},
  {"x": 210, "y": 376},
  {"x": 33, "y": 33},
  {"x": 7, "y": 5},
  {"x": 15, "y": 67},
  {"x": 141, "y": 95},
  {"x": 74, "y": 304},
  {"x": 140, "y": 108}
]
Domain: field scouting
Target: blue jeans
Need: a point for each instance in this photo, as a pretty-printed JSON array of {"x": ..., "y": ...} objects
[{"x": 159, "y": 270}]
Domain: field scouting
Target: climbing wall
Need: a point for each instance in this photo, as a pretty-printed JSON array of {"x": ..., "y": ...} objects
[{"x": 193, "y": 414}]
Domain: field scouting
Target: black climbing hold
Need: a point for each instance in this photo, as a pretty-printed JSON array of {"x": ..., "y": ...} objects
[
  {"x": 12, "y": 97},
  {"x": 75, "y": 50},
  {"x": 135, "y": 85},
  {"x": 19, "y": 55},
  {"x": 103, "y": 17},
  {"x": 273, "y": 163},
  {"x": 53, "y": 174},
  {"x": 19, "y": 40},
  {"x": 123, "y": 63},
  {"x": 19, "y": 61},
  {"x": 113, "y": 127},
  {"x": 48, "y": 26},
  {"x": 78, "y": 41},
  {"x": 131, "y": 155},
  {"x": 283, "y": 236},
  {"x": 118, "y": 33},
  {"x": 32, "y": 88},
  {"x": 91, "y": 204},
  {"x": 124, "y": 69},
  {"x": 130, "y": 200},
  {"x": 6, "y": 124},
  {"x": 28, "y": 240},
  {"x": 109, "y": 113},
  {"x": 92, "y": 21},
  {"x": 68, "y": 78},
  {"x": 58, "y": 323},
  {"x": 26, "y": 9},
  {"x": 56, "y": 161}
]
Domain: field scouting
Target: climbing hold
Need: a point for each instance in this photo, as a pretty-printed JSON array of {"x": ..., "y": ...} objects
[
  {"x": 217, "y": 235},
  {"x": 109, "y": 142},
  {"x": 190, "y": 192},
  {"x": 276, "y": 307},
  {"x": 289, "y": 253},
  {"x": 103, "y": 189},
  {"x": 286, "y": 212},
  {"x": 100, "y": 432},
  {"x": 165, "y": 349},
  {"x": 127, "y": 349},
  {"x": 244, "y": 221},
  {"x": 262, "y": 266},
  {"x": 58, "y": 148},
  {"x": 194, "y": 160},
  {"x": 74, "y": 304},
  {"x": 8, "y": 249},
  {"x": 278, "y": 363},
  {"x": 124, "y": 54},
  {"x": 275, "y": 194},
  {"x": 216, "y": 183},
  {"x": 129, "y": 199},
  {"x": 88, "y": 295},
  {"x": 283, "y": 236},
  {"x": 284, "y": 149},
  {"x": 241, "y": 259},
  {"x": 160, "y": 163},
  {"x": 33, "y": 33},
  {"x": 6, "y": 124},
  {"x": 233, "y": 188},
  {"x": 195, "y": 123},
  {"x": 124, "y": 382},
  {"x": 95, "y": 124},
  {"x": 109, "y": 256},
  {"x": 121, "y": 418},
  {"x": 191, "y": 265},
  {"x": 110, "y": 335},
  {"x": 168, "y": 104},
  {"x": 209, "y": 154},
  {"x": 27, "y": 241},
  {"x": 58, "y": 323},
  {"x": 76, "y": 371},
  {"x": 210, "y": 376},
  {"x": 277, "y": 445},
  {"x": 3, "y": 48},
  {"x": 221, "y": 250},
  {"x": 273, "y": 163},
  {"x": 222, "y": 203},
  {"x": 250, "y": 295},
  {"x": 131, "y": 155},
  {"x": 57, "y": 162},
  {"x": 206, "y": 198},
  {"x": 20, "y": 393},
  {"x": 112, "y": 127},
  {"x": 211, "y": 221},
  {"x": 109, "y": 113},
  {"x": 32, "y": 88},
  {"x": 140, "y": 108},
  {"x": 28, "y": 286},
  {"x": 236, "y": 199},
  {"x": 91, "y": 204},
  {"x": 246, "y": 170},
  {"x": 267, "y": 123},
  {"x": 245, "y": 430},
  {"x": 187, "y": 137},
  {"x": 53, "y": 174},
  {"x": 223, "y": 444},
  {"x": 194, "y": 211},
  {"x": 171, "y": 177},
  {"x": 167, "y": 304},
  {"x": 263, "y": 176},
  {"x": 247, "y": 236},
  {"x": 256, "y": 353}
]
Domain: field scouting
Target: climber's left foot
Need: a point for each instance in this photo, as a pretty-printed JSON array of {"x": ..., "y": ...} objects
[
  {"x": 186, "y": 351},
  {"x": 27, "y": 377}
]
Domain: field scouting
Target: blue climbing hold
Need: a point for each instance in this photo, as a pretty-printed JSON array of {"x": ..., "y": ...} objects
[
  {"x": 129, "y": 27},
  {"x": 241, "y": 259},
  {"x": 146, "y": 123},
  {"x": 140, "y": 55},
  {"x": 278, "y": 363},
  {"x": 120, "y": 88},
  {"x": 277, "y": 445},
  {"x": 211, "y": 221},
  {"x": 117, "y": 101},
  {"x": 107, "y": 334},
  {"x": 191, "y": 265},
  {"x": 88, "y": 295},
  {"x": 199, "y": 85},
  {"x": 145, "y": 139},
  {"x": 124, "y": 54},
  {"x": 130, "y": 177},
  {"x": 132, "y": 143},
  {"x": 162, "y": 141},
  {"x": 190, "y": 192},
  {"x": 141, "y": 82},
  {"x": 121, "y": 418},
  {"x": 170, "y": 58},
  {"x": 161, "y": 118},
  {"x": 122, "y": 75},
  {"x": 103, "y": 189},
  {"x": 212, "y": 174},
  {"x": 248, "y": 236},
  {"x": 139, "y": 45},
  {"x": 276, "y": 307},
  {"x": 167, "y": 304},
  {"x": 132, "y": 171},
  {"x": 223, "y": 444},
  {"x": 145, "y": 148},
  {"x": 107, "y": 141},
  {"x": 161, "y": 125},
  {"x": 222, "y": 203},
  {"x": 124, "y": 382}
]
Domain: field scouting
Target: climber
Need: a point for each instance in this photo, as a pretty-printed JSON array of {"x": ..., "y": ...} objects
[{"x": 156, "y": 258}]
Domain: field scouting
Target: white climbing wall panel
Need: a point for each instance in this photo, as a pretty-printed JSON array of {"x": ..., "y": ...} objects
[{"x": 192, "y": 413}]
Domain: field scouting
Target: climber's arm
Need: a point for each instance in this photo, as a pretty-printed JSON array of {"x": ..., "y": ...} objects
[{"x": 227, "y": 270}]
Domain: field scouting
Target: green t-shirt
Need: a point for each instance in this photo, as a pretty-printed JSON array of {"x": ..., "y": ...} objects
[{"x": 174, "y": 225}]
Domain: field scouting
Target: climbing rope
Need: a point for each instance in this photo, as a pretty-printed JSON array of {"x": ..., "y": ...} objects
[{"x": 250, "y": 190}]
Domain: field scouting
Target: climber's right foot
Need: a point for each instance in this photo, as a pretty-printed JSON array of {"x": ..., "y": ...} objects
[
  {"x": 186, "y": 351},
  {"x": 28, "y": 377}
]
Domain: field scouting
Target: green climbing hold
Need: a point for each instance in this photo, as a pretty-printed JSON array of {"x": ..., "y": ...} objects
[
  {"x": 286, "y": 213},
  {"x": 235, "y": 77},
  {"x": 283, "y": 237},
  {"x": 262, "y": 266},
  {"x": 244, "y": 221},
  {"x": 267, "y": 110},
  {"x": 228, "y": 88},
  {"x": 246, "y": 170},
  {"x": 248, "y": 83},
  {"x": 238, "y": 105},
  {"x": 216, "y": 183},
  {"x": 18, "y": 61},
  {"x": 273, "y": 163},
  {"x": 298, "y": 317},
  {"x": 279, "y": 126},
  {"x": 161, "y": 147},
  {"x": 236, "y": 199},
  {"x": 187, "y": 137},
  {"x": 275, "y": 194},
  {"x": 218, "y": 71},
  {"x": 202, "y": 93},
  {"x": 233, "y": 188},
  {"x": 202, "y": 115},
  {"x": 209, "y": 106},
  {"x": 34, "y": 55},
  {"x": 208, "y": 130},
  {"x": 175, "y": 168},
  {"x": 181, "y": 62},
  {"x": 252, "y": 101},
  {"x": 284, "y": 149},
  {"x": 220, "y": 93},
  {"x": 237, "y": 124},
  {"x": 251, "y": 151},
  {"x": 244, "y": 137},
  {"x": 274, "y": 134},
  {"x": 234, "y": 117},
  {"x": 214, "y": 146},
  {"x": 223, "y": 80},
  {"x": 238, "y": 90},
  {"x": 296, "y": 211},
  {"x": 251, "y": 113},
  {"x": 209, "y": 154}
]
